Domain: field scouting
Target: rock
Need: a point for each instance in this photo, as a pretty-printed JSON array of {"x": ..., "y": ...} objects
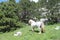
[
  {"x": 18, "y": 34},
  {"x": 57, "y": 28}
]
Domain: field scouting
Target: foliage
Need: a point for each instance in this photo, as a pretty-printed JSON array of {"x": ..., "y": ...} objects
[
  {"x": 9, "y": 16},
  {"x": 12, "y": 13},
  {"x": 27, "y": 34},
  {"x": 53, "y": 9}
]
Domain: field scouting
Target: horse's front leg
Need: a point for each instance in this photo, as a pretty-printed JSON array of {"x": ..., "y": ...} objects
[{"x": 32, "y": 28}]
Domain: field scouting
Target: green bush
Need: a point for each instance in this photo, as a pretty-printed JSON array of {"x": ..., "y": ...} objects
[{"x": 10, "y": 24}]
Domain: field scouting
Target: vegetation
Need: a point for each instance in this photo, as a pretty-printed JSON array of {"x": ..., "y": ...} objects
[
  {"x": 14, "y": 17},
  {"x": 12, "y": 14},
  {"x": 50, "y": 34}
]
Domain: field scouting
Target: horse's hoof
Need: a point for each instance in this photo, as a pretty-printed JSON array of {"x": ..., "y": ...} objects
[
  {"x": 39, "y": 33},
  {"x": 32, "y": 30}
]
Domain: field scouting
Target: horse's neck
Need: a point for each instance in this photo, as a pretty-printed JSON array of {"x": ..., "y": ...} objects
[{"x": 33, "y": 21}]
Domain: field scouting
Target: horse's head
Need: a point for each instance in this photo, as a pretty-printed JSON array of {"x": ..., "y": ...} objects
[{"x": 30, "y": 21}]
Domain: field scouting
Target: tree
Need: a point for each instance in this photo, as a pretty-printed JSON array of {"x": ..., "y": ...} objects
[
  {"x": 27, "y": 9},
  {"x": 9, "y": 18}
]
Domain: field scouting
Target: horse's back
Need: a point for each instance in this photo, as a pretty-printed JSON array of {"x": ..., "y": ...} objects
[{"x": 38, "y": 23}]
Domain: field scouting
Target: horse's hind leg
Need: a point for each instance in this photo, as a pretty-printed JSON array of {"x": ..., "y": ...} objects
[
  {"x": 42, "y": 28},
  {"x": 39, "y": 30}
]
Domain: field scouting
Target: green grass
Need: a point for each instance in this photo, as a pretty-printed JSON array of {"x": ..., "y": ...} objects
[{"x": 50, "y": 34}]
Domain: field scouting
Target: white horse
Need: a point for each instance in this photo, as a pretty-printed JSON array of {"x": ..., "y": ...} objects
[{"x": 39, "y": 24}]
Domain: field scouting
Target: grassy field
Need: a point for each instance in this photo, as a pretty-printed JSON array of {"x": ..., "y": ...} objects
[{"x": 50, "y": 34}]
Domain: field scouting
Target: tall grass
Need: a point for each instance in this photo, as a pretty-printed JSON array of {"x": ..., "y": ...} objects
[{"x": 50, "y": 34}]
